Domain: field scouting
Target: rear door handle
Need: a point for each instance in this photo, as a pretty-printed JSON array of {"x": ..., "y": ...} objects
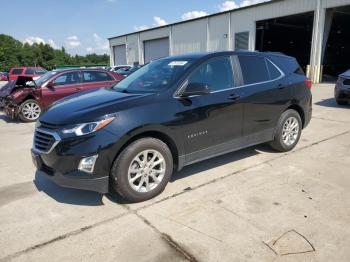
[
  {"x": 281, "y": 86},
  {"x": 234, "y": 97}
]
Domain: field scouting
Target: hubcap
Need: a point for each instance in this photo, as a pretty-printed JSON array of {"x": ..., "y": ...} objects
[
  {"x": 290, "y": 131},
  {"x": 31, "y": 111},
  {"x": 146, "y": 171}
]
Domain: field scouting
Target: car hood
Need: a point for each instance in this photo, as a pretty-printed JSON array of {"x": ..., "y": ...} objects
[
  {"x": 11, "y": 85},
  {"x": 90, "y": 106},
  {"x": 346, "y": 74},
  {"x": 7, "y": 88}
]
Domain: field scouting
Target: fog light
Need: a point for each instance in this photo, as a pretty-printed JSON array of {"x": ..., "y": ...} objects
[{"x": 87, "y": 164}]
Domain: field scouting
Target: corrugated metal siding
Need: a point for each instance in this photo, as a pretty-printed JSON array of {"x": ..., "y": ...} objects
[
  {"x": 117, "y": 41},
  {"x": 192, "y": 35},
  {"x": 132, "y": 46},
  {"x": 245, "y": 19},
  {"x": 219, "y": 32},
  {"x": 334, "y": 3},
  {"x": 189, "y": 37}
]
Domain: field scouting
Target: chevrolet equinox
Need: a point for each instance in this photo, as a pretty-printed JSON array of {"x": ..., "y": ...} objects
[{"x": 173, "y": 112}]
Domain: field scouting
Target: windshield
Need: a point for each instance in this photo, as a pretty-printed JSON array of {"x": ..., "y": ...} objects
[
  {"x": 44, "y": 78},
  {"x": 155, "y": 76}
]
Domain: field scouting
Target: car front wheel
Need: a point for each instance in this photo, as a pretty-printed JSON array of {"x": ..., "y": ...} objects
[
  {"x": 142, "y": 170},
  {"x": 288, "y": 131},
  {"x": 29, "y": 111}
]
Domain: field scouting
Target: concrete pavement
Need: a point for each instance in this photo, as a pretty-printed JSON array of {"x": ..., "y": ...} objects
[{"x": 251, "y": 205}]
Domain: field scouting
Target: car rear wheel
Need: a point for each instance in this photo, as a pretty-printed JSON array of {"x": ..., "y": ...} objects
[
  {"x": 29, "y": 111},
  {"x": 142, "y": 170},
  {"x": 288, "y": 131}
]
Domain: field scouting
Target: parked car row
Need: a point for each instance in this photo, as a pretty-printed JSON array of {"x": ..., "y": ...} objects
[
  {"x": 4, "y": 76},
  {"x": 170, "y": 113},
  {"x": 26, "y": 97},
  {"x": 342, "y": 89},
  {"x": 33, "y": 72}
]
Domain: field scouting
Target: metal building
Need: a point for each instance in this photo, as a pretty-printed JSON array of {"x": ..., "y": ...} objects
[{"x": 316, "y": 32}]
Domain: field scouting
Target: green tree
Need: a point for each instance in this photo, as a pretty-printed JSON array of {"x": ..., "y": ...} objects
[{"x": 15, "y": 53}]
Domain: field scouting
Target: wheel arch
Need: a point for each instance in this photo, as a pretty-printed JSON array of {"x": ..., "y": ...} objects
[
  {"x": 300, "y": 111},
  {"x": 162, "y": 136}
]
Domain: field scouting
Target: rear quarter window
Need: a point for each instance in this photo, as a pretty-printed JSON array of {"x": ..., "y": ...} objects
[
  {"x": 289, "y": 65},
  {"x": 273, "y": 71}
]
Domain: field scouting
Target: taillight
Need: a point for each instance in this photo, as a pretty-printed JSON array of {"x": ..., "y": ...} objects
[{"x": 308, "y": 83}]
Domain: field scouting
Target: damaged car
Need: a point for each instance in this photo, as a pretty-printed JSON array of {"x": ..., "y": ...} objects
[
  {"x": 26, "y": 99},
  {"x": 342, "y": 89}
]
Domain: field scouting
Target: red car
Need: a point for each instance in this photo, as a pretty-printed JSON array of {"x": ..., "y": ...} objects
[
  {"x": 26, "y": 99},
  {"x": 3, "y": 77},
  {"x": 26, "y": 71}
]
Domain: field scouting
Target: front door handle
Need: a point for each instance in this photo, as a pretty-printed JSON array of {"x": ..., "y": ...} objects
[
  {"x": 78, "y": 88},
  {"x": 234, "y": 97}
]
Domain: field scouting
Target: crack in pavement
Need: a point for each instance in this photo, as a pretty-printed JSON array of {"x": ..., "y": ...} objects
[
  {"x": 169, "y": 240},
  {"x": 164, "y": 236},
  {"x": 330, "y": 120},
  {"x": 61, "y": 237}
]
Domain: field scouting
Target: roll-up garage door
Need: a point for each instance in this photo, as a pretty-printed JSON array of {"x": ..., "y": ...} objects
[
  {"x": 154, "y": 49},
  {"x": 120, "y": 55}
]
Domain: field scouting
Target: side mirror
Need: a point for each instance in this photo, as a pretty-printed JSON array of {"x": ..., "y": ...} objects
[
  {"x": 196, "y": 89},
  {"x": 50, "y": 85}
]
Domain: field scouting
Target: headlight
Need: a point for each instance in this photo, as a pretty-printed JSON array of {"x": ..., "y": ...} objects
[{"x": 88, "y": 128}]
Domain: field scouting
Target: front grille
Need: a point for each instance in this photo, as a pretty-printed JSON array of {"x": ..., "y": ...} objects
[
  {"x": 346, "y": 82},
  {"x": 45, "y": 141}
]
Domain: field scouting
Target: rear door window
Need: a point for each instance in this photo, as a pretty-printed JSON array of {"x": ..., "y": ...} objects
[
  {"x": 254, "y": 69},
  {"x": 216, "y": 73},
  {"x": 17, "y": 71},
  {"x": 29, "y": 71},
  {"x": 95, "y": 76},
  {"x": 70, "y": 78}
]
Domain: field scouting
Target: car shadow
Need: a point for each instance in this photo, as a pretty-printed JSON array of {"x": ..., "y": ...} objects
[
  {"x": 218, "y": 161},
  {"x": 81, "y": 197},
  {"x": 330, "y": 102},
  {"x": 67, "y": 195},
  {"x": 7, "y": 119}
]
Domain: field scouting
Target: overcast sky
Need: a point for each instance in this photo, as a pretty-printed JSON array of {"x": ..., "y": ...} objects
[{"x": 83, "y": 26}]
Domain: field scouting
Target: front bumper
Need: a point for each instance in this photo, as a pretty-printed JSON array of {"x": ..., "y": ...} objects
[
  {"x": 75, "y": 179},
  {"x": 342, "y": 92},
  {"x": 60, "y": 164}
]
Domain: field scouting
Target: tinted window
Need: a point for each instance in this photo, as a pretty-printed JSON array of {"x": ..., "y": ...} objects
[
  {"x": 217, "y": 74},
  {"x": 29, "y": 71},
  {"x": 273, "y": 71},
  {"x": 17, "y": 71},
  {"x": 67, "y": 79},
  {"x": 95, "y": 76},
  {"x": 254, "y": 69},
  {"x": 39, "y": 71}
]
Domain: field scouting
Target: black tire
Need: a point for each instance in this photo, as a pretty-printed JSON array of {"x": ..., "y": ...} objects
[
  {"x": 278, "y": 143},
  {"x": 341, "y": 102},
  {"x": 119, "y": 171},
  {"x": 25, "y": 117}
]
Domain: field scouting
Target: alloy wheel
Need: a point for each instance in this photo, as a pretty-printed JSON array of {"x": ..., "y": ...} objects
[
  {"x": 146, "y": 171},
  {"x": 290, "y": 131},
  {"x": 31, "y": 111}
]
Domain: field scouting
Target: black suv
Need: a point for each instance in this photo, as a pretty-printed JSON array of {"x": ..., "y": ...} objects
[{"x": 171, "y": 113}]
